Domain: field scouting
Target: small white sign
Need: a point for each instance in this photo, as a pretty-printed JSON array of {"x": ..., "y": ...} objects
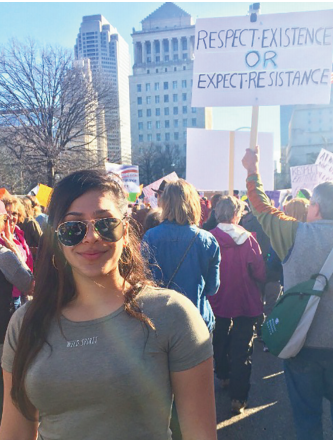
[
  {"x": 325, "y": 165},
  {"x": 279, "y": 59},
  {"x": 128, "y": 173},
  {"x": 303, "y": 176},
  {"x": 207, "y": 159}
]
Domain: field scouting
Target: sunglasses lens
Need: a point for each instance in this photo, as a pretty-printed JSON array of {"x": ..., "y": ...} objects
[
  {"x": 71, "y": 233},
  {"x": 110, "y": 229}
]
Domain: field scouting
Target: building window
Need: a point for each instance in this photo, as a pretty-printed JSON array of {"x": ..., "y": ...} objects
[
  {"x": 184, "y": 43},
  {"x": 140, "y": 137},
  {"x": 148, "y": 71},
  {"x": 157, "y": 99},
  {"x": 166, "y": 58},
  {"x": 148, "y": 99},
  {"x": 165, "y": 85},
  {"x": 184, "y": 96},
  {"x": 184, "y": 56},
  {"x": 175, "y": 123},
  {"x": 166, "y": 111},
  {"x": 184, "y": 67},
  {"x": 149, "y": 125},
  {"x": 167, "y": 136},
  {"x": 174, "y": 44},
  {"x": 175, "y": 110},
  {"x": 148, "y": 59},
  {"x": 176, "y": 136},
  {"x": 184, "y": 83},
  {"x": 139, "y": 100},
  {"x": 158, "y": 59},
  {"x": 174, "y": 85},
  {"x": 157, "y": 86},
  {"x": 194, "y": 109},
  {"x": 139, "y": 113},
  {"x": 158, "y": 124},
  {"x": 156, "y": 70},
  {"x": 184, "y": 109},
  {"x": 194, "y": 122},
  {"x": 149, "y": 137},
  {"x": 184, "y": 122},
  {"x": 175, "y": 98},
  {"x": 166, "y": 124},
  {"x": 175, "y": 57},
  {"x": 140, "y": 125},
  {"x": 157, "y": 112},
  {"x": 184, "y": 135},
  {"x": 158, "y": 137},
  {"x": 165, "y": 70},
  {"x": 138, "y": 88},
  {"x": 148, "y": 87},
  {"x": 166, "y": 98},
  {"x": 148, "y": 112}
]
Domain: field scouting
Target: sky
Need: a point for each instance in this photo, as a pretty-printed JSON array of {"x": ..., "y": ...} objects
[{"x": 58, "y": 23}]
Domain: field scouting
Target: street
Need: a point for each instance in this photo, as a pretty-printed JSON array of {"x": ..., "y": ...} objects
[{"x": 269, "y": 414}]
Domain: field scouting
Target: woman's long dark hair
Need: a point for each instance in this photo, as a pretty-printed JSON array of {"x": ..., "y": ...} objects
[{"x": 55, "y": 286}]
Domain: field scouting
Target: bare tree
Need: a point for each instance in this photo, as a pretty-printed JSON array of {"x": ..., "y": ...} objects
[
  {"x": 52, "y": 115},
  {"x": 156, "y": 161}
]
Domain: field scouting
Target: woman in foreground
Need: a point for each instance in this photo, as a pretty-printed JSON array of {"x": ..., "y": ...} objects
[{"x": 99, "y": 351}]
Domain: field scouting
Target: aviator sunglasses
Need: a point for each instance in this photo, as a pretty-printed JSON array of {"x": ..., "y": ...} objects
[{"x": 73, "y": 232}]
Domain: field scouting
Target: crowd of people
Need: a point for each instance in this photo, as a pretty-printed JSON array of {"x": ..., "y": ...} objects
[{"x": 114, "y": 320}]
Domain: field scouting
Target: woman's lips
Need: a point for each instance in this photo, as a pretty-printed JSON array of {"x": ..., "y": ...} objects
[{"x": 91, "y": 256}]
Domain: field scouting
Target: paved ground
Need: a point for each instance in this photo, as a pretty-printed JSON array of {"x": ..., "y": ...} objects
[{"x": 269, "y": 414}]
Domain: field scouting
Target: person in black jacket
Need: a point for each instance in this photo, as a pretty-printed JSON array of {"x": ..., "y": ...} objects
[{"x": 211, "y": 223}]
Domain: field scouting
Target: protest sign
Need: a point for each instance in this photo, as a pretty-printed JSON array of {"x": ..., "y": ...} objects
[
  {"x": 44, "y": 195},
  {"x": 303, "y": 176},
  {"x": 129, "y": 174},
  {"x": 208, "y": 159},
  {"x": 150, "y": 194},
  {"x": 325, "y": 166},
  {"x": 279, "y": 59}
]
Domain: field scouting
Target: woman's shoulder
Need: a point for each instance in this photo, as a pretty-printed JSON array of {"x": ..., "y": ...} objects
[
  {"x": 16, "y": 320},
  {"x": 161, "y": 299},
  {"x": 169, "y": 309}
]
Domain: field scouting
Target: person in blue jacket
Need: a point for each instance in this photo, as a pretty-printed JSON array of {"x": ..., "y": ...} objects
[{"x": 183, "y": 257}]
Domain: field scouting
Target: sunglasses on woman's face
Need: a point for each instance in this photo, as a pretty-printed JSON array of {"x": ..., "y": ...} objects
[{"x": 73, "y": 232}]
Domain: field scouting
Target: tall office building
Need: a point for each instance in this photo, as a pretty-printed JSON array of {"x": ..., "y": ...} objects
[
  {"x": 161, "y": 84},
  {"x": 310, "y": 130},
  {"x": 108, "y": 52}
]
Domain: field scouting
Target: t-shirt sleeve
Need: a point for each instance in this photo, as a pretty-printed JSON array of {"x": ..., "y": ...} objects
[
  {"x": 11, "y": 339},
  {"x": 15, "y": 272},
  {"x": 189, "y": 341}
]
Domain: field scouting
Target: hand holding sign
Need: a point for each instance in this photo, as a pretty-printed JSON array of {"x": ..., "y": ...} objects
[{"x": 250, "y": 161}]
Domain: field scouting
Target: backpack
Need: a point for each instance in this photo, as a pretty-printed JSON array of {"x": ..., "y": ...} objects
[{"x": 285, "y": 329}]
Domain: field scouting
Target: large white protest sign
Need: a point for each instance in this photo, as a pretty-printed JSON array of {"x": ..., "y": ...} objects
[
  {"x": 207, "y": 159},
  {"x": 303, "y": 176},
  {"x": 279, "y": 59},
  {"x": 325, "y": 165}
]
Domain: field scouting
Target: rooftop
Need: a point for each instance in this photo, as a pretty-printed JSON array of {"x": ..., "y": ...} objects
[{"x": 167, "y": 10}]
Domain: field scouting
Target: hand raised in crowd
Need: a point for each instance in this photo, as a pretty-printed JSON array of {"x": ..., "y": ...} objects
[{"x": 250, "y": 160}]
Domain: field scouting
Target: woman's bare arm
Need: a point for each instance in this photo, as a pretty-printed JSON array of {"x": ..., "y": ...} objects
[
  {"x": 14, "y": 426},
  {"x": 195, "y": 401}
]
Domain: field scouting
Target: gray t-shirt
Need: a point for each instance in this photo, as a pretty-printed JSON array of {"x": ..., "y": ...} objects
[{"x": 109, "y": 378}]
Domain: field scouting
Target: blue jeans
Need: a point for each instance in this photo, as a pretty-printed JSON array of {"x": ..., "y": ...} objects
[{"x": 309, "y": 380}]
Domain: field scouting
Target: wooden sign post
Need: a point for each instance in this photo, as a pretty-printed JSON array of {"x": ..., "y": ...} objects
[
  {"x": 254, "y": 127},
  {"x": 231, "y": 163}
]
